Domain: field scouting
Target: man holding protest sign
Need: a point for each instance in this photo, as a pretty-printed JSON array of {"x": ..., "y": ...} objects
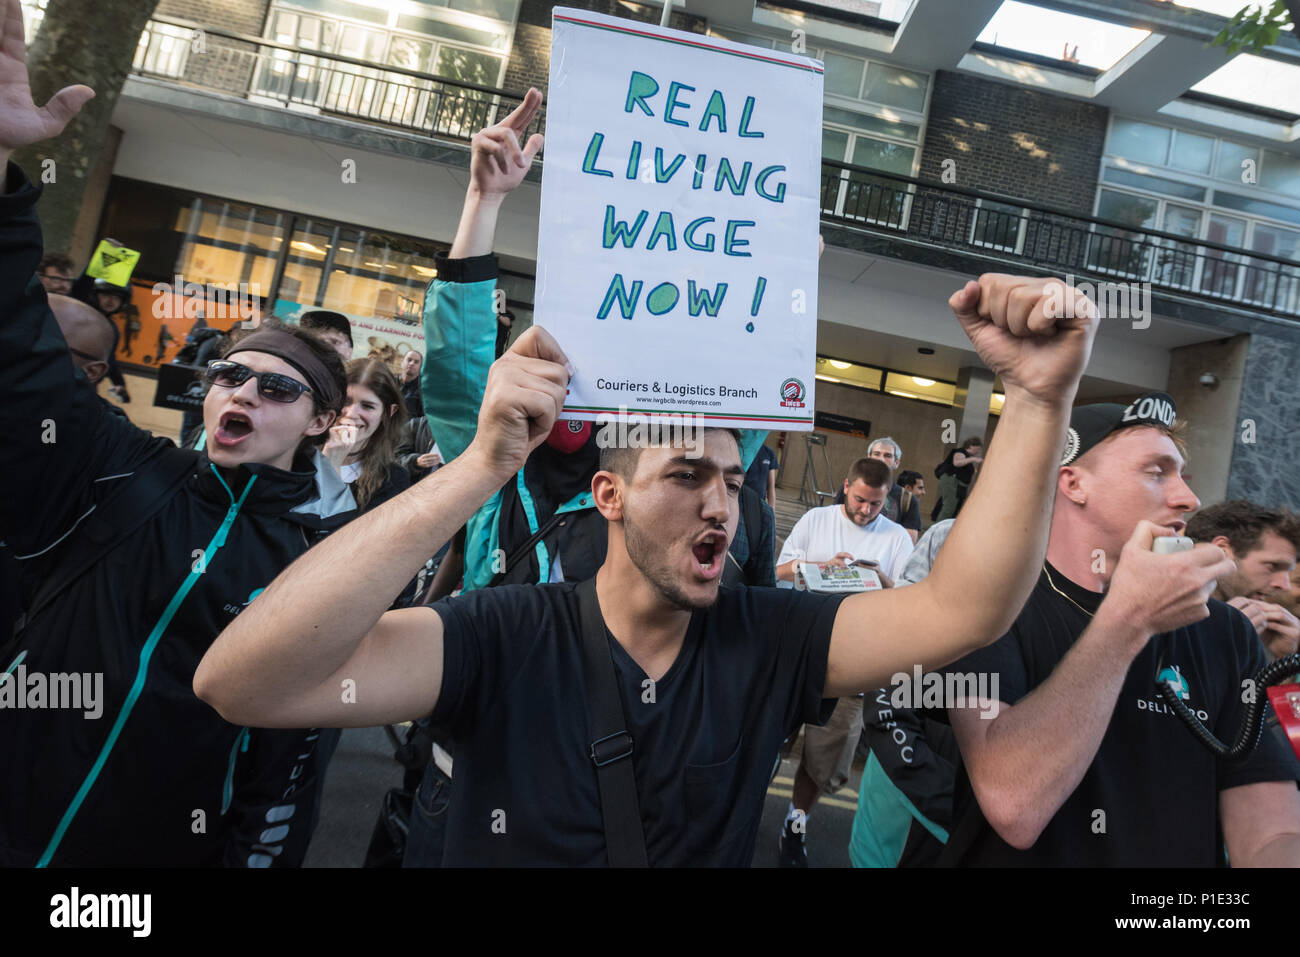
[{"x": 716, "y": 679}]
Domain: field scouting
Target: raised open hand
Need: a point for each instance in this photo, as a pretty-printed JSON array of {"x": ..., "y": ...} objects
[{"x": 22, "y": 122}]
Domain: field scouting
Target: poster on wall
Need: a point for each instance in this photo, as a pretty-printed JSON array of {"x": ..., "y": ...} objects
[
  {"x": 154, "y": 324},
  {"x": 389, "y": 339}
]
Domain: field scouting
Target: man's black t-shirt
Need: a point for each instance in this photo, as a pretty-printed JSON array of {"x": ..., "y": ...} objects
[
  {"x": 1150, "y": 798},
  {"x": 706, "y": 734}
]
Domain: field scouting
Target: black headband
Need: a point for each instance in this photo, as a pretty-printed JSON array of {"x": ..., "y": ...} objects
[{"x": 298, "y": 354}]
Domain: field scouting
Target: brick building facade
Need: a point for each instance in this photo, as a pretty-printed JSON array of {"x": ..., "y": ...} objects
[
  {"x": 238, "y": 16},
  {"x": 1005, "y": 139}
]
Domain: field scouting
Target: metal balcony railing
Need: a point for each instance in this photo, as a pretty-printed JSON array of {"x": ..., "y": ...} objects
[
  {"x": 264, "y": 71},
  {"x": 984, "y": 225},
  {"x": 1011, "y": 230}
]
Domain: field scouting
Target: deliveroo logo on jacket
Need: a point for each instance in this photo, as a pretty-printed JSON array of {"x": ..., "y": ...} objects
[
  {"x": 233, "y": 609},
  {"x": 1174, "y": 678}
]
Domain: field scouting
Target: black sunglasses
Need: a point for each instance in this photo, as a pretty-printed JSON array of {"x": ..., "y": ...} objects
[{"x": 273, "y": 385}]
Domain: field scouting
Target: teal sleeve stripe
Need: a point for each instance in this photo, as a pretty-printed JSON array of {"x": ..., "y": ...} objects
[
  {"x": 459, "y": 346},
  {"x": 481, "y": 544},
  {"x": 228, "y": 791},
  {"x": 218, "y": 540},
  {"x": 884, "y": 817},
  {"x": 530, "y": 510}
]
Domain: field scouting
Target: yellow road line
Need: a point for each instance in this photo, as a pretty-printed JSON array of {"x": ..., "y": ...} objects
[
  {"x": 781, "y": 779},
  {"x": 832, "y": 801}
]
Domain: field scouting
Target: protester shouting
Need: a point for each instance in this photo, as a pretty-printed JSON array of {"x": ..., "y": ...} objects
[
  {"x": 139, "y": 554},
  {"x": 733, "y": 671}
]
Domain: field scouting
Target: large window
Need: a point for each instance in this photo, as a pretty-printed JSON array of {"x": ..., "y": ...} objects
[
  {"x": 466, "y": 41},
  {"x": 873, "y": 116},
  {"x": 163, "y": 49},
  {"x": 223, "y": 242},
  {"x": 1201, "y": 187},
  {"x": 902, "y": 384},
  {"x": 285, "y": 262}
]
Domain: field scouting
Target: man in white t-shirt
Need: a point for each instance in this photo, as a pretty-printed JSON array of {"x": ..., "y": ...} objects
[
  {"x": 838, "y": 533},
  {"x": 855, "y": 530}
]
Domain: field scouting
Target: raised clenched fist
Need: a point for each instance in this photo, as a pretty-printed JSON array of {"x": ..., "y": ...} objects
[
  {"x": 525, "y": 394},
  {"x": 1035, "y": 333}
]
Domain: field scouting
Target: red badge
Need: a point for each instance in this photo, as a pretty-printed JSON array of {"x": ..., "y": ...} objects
[
  {"x": 1286, "y": 705},
  {"x": 568, "y": 435}
]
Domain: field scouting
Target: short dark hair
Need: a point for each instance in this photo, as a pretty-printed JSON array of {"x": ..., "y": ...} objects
[
  {"x": 323, "y": 351},
  {"x": 623, "y": 460},
  {"x": 321, "y": 319},
  {"x": 908, "y": 477},
  {"x": 58, "y": 261},
  {"x": 1243, "y": 524},
  {"x": 973, "y": 440},
  {"x": 872, "y": 471}
]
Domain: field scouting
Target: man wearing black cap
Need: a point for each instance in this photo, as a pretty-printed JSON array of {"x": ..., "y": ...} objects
[
  {"x": 134, "y": 555},
  {"x": 331, "y": 326},
  {"x": 1082, "y": 763}
]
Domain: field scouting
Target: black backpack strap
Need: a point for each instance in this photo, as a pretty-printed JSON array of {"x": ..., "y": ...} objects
[
  {"x": 752, "y": 504},
  {"x": 140, "y": 498},
  {"x": 520, "y": 553},
  {"x": 611, "y": 745},
  {"x": 751, "y": 511}
]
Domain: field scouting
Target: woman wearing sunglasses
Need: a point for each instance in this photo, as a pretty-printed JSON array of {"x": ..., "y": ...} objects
[{"x": 133, "y": 555}]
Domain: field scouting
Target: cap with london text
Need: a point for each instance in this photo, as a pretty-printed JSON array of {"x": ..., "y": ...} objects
[{"x": 1089, "y": 424}]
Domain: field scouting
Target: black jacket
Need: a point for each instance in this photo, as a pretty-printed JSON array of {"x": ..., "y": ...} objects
[
  {"x": 416, "y": 440},
  {"x": 158, "y": 778},
  {"x": 412, "y": 399}
]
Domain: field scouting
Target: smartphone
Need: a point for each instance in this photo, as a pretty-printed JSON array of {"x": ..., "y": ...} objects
[{"x": 1168, "y": 544}]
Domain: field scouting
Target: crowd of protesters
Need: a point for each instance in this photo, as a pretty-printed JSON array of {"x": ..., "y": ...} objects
[{"x": 286, "y": 573}]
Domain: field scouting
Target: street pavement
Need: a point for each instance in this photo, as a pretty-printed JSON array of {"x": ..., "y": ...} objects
[{"x": 363, "y": 769}]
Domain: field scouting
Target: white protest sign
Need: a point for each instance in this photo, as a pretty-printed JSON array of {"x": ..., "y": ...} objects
[{"x": 677, "y": 246}]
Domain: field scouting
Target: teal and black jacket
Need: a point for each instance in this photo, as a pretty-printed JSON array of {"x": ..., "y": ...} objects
[
  {"x": 157, "y": 778},
  {"x": 460, "y": 343}
]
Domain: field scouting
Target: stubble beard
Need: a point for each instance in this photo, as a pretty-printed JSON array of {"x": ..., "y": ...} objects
[{"x": 650, "y": 562}]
